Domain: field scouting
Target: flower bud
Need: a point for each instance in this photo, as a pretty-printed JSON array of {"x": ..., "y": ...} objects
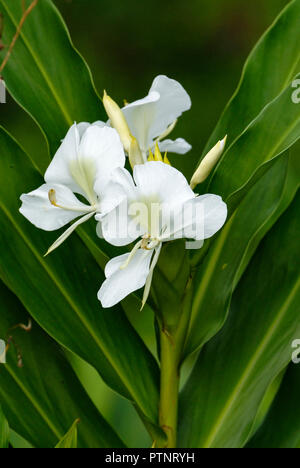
[
  {"x": 208, "y": 163},
  {"x": 118, "y": 120}
]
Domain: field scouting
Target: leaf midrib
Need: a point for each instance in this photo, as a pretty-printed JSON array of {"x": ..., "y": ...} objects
[
  {"x": 34, "y": 403},
  {"x": 252, "y": 363},
  {"x": 41, "y": 68}
]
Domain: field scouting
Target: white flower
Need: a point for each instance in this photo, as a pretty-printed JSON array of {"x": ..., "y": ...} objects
[
  {"x": 158, "y": 206},
  {"x": 152, "y": 118},
  {"x": 82, "y": 165}
]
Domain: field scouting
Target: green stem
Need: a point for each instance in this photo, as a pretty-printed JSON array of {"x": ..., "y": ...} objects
[
  {"x": 169, "y": 389},
  {"x": 171, "y": 347}
]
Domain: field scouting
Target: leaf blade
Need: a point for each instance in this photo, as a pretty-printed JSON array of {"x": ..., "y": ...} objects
[{"x": 237, "y": 366}]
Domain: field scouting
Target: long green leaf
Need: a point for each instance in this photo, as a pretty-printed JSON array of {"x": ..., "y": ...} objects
[
  {"x": 275, "y": 130},
  {"x": 42, "y": 398},
  {"x": 268, "y": 70},
  {"x": 4, "y": 430},
  {"x": 45, "y": 74},
  {"x": 281, "y": 429},
  {"x": 70, "y": 439},
  {"x": 216, "y": 276},
  {"x": 60, "y": 291},
  {"x": 233, "y": 372}
]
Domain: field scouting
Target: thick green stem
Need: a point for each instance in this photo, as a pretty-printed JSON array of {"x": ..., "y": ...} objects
[
  {"x": 169, "y": 389},
  {"x": 172, "y": 341}
]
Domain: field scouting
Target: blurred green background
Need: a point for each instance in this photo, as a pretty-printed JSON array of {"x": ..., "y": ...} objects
[{"x": 201, "y": 43}]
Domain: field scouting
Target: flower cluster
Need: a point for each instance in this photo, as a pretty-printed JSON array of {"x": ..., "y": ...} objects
[{"x": 87, "y": 178}]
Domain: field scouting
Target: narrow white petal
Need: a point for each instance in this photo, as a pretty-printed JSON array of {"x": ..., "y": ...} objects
[
  {"x": 120, "y": 283},
  {"x": 37, "y": 208},
  {"x": 68, "y": 232},
  {"x": 179, "y": 146},
  {"x": 150, "y": 275}
]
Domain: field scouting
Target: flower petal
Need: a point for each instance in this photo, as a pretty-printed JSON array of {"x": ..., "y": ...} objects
[
  {"x": 162, "y": 183},
  {"x": 58, "y": 171},
  {"x": 37, "y": 208},
  {"x": 179, "y": 146},
  {"x": 68, "y": 232},
  {"x": 198, "y": 219},
  {"x": 88, "y": 152},
  {"x": 102, "y": 147},
  {"x": 117, "y": 227},
  {"x": 83, "y": 126},
  {"x": 122, "y": 282},
  {"x": 148, "y": 118}
]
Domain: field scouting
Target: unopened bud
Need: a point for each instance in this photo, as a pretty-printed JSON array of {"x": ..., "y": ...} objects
[
  {"x": 117, "y": 120},
  {"x": 208, "y": 163}
]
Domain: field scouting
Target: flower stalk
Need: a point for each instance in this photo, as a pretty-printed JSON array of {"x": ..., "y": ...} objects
[{"x": 171, "y": 352}]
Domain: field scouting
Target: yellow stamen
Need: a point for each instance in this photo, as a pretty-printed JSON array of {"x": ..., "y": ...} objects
[
  {"x": 157, "y": 153},
  {"x": 52, "y": 198},
  {"x": 166, "y": 159},
  {"x": 151, "y": 156}
]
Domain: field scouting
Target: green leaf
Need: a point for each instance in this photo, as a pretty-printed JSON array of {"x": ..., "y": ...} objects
[
  {"x": 221, "y": 399},
  {"x": 4, "y": 430},
  {"x": 70, "y": 439},
  {"x": 269, "y": 69},
  {"x": 45, "y": 74},
  {"x": 292, "y": 183},
  {"x": 281, "y": 428},
  {"x": 39, "y": 391},
  {"x": 60, "y": 291},
  {"x": 216, "y": 277},
  {"x": 275, "y": 130}
]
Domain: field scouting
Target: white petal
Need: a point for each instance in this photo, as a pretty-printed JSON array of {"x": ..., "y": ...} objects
[
  {"x": 88, "y": 153},
  {"x": 199, "y": 218},
  {"x": 150, "y": 276},
  {"x": 59, "y": 170},
  {"x": 117, "y": 226},
  {"x": 68, "y": 232},
  {"x": 83, "y": 126},
  {"x": 120, "y": 184},
  {"x": 179, "y": 146},
  {"x": 162, "y": 183},
  {"x": 122, "y": 282},
  {"x": 148, "y": 118},
  {"x": 215, "y": 213},
  {"x": 37, "y": 208},
  {"x": 100, "y": 152},
  {"x": 140, "y": 116},
  {"x": 174, "y": 100}
]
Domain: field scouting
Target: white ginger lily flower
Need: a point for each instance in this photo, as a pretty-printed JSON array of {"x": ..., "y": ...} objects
[
  {"x": 152, "y": 119},
  {"x": 167, "y": 209},
  {"x": 83, "y": 165}
]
